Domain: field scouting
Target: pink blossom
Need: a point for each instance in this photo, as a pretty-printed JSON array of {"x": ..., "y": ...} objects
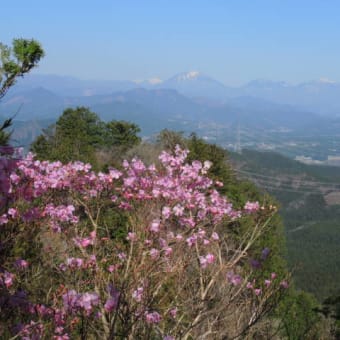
[
  {"x": 154, "y": 227},
  {"x": 21, "y": 264},
  {"x": 8, "y": 279},
  {"x": 114, "y": 174},
  {"x": 210, "y": 258},
  {"x": 154, "y": 253},
  {"x": 234, "y": 279},
  {"x": 3, "y": 219},
  {"x": 122, "y": 256},
  {"x": 12, "y": 212},
  {"x": 162, "y": 242},
  {"x": 179, "y": 237},
  {"x": 138, "y": 294},
  {"x": 258, "y": 291},
  {"x": 112, "y": 268},
  {"x": 250, "y": 285},
  {"x": 205, "y": 260},
  {"x": 251, "y": 207},
  {"x": 168, "y": 251},
  {"x": 215, "y": 236},
  {"x": 178, "y": 210},
  {"x": 92, "y": 261},
  {"x": 83, "y": 242},
  {"x": 284, "y": 284},
  {"x": 74, "y": 262},
  {"x": 166, "y": 212},
  {"x": 152, "y": 317},
  {"x": 131, "y": 237},
  {"x": 219, "y": 184},
  {"x": 148, "y": 242},
  {"x": 112, "y": 302},
  {"x": 191, "y": 240},
  {"x": 88, "y": 301},
  {"x": 173, "y": 312}
]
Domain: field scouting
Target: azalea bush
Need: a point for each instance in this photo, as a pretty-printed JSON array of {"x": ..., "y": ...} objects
[{"x": 143, "y": 252}]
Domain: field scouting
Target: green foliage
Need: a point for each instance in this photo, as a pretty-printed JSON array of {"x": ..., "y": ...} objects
[
  {"x": 168, "y": 139},
  {"x": 4, "y": 134},
  {"x": 15, "y": 62},
  {"x": 314, "y": 250},
  {"x": 79, "y": 134},
  {"x": 299, "y": 317},
  {"x": 331, "y": 309},
  {"x": 75, "y": 136},
  {"x": 121, "y": 133},
  {"x": 311, "y": 225}
]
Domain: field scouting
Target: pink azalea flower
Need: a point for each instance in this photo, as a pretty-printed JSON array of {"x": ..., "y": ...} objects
[
  {"x": 168, "y": 251},
  {"x": 234, "y": 279},
  {"x": 131, "y": 237},
  {"x": 152, "y": 317},
  {"x": 154, "y": 227},
  {"x": 138, "y": 294},
  {"x": 166, "y": 212},
  {"x": 173, "y": 312},
  {"x": 12, "y": 212},
  {"x": 154, "y": 253},
  {"x": 215, "y": 236},
  {"x": 22, "y": 264},
  {"x": 284, "y": 284},
  {"x": 250, "y": 285},
  {"x": 8, "y": 279},
  {"x": 251, "y": 207},
  {"x": 257, "y": 291}
]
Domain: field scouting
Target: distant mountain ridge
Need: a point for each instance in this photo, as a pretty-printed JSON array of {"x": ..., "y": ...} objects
[
  {"x": 320, "y": 96},
  {"x": 253, "y": 116},
  {"x": 157, "y": 103}
]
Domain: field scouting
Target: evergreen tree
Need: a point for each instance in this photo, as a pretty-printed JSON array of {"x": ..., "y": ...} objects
[
  {"x": 79, "y": 134},
  {"x": 15, "y": 62}
]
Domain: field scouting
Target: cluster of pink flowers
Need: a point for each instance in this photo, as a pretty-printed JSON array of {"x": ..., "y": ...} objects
[
  {"x": 206, "y": 260},
  {"x": 185, "y": 202},
  {"x": 73, "y": 301},
  {"x": 152, "y": 317},
  {"x": 266, "y": 284},
  {"x": 251, "y": 207}
]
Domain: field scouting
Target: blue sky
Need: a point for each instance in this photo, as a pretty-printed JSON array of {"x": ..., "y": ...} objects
[{"x": 233, "y": 41}]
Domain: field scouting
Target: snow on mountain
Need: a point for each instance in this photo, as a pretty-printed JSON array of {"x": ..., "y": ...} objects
[{"x": 196, "y": 84}]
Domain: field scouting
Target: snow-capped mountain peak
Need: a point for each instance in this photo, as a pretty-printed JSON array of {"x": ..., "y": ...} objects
[{"x": 188, "y": 76}]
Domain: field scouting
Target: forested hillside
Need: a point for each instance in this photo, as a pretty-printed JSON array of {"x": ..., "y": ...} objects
[{"x": 310, "y": 207}]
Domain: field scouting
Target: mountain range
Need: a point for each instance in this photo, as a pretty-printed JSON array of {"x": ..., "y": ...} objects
[
  {"x": 318, "y": 96},
  {"x": 261, "y": 114}
]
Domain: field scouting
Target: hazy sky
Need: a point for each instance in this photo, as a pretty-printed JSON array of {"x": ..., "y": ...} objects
[{"x": 233, "y": 41}]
